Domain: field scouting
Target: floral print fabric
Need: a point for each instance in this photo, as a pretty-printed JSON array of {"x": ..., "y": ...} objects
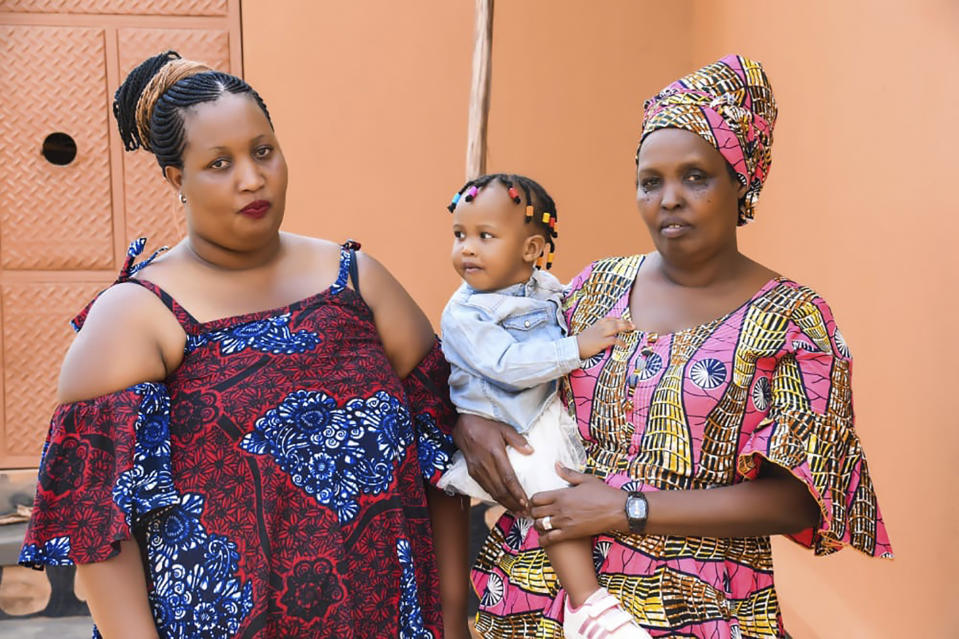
[{"x": 274, "y": 482}]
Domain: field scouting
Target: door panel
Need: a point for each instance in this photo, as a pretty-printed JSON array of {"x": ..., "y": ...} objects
[
  {"x": 35, "y": 337},
  {"x": 142, "y": 7},
  {"x": 58, "y": 77},
  {"x": 64, "y": 228}
]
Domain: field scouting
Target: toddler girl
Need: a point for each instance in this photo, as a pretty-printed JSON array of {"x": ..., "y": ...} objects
[{"x": 505, "y": 339}]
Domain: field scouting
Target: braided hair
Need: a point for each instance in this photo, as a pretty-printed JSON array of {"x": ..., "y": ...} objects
[
  {"x": 540, "y": 208},
  {"x": 150, "y": 103}
]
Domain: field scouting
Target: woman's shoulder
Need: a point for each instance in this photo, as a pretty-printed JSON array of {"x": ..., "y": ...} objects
[
  {"x": 601, "y": 288},
  {"x": 796, "y": 300},
  {"x": 811, "y": 318},
  {"x": 606, "y": 275},
  {"x": 310, "y": 252},
  {"x": 327, "y": 251},
  {"x": 309, "y": 244},
  {"x": 128, "y": 336}
]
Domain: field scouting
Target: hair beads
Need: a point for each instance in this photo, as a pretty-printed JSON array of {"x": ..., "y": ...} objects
[{"x": 536, "y": 199}]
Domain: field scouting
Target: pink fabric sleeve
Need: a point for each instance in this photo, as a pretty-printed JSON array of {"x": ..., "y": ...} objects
[{"x": 810, "y": 432}]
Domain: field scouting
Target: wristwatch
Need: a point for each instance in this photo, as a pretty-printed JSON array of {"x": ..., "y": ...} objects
[{"x": 637, "y": 508}]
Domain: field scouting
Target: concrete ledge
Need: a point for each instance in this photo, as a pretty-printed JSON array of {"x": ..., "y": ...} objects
[
  {"x": 46, "y": 627},
  {"x": 11, "y": 538}
]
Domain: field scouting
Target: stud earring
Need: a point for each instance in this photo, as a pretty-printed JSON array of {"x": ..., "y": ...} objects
[{"x": 182, "y": 198}]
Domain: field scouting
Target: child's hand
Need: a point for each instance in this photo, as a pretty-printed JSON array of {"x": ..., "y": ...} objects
[{"x": 602, "y": 335}]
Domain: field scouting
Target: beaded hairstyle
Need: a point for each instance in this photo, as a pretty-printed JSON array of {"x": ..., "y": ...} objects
[
  {"x": 150, "y": 103},
  {"x": 540, "y": 208}
]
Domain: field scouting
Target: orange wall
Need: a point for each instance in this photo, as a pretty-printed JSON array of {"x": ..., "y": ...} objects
[
  {"x": 369, "y": 100},
  {"x": 567, "y": 104},
  {"x": 370, "y": 104}
]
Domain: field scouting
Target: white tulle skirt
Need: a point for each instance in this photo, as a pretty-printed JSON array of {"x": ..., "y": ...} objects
[{"x": 554, "y": 438}]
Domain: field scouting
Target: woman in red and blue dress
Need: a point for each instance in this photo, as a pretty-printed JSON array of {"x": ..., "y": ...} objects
[{"x": 246, "y": 421}]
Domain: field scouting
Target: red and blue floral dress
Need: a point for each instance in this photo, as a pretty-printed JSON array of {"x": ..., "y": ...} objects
[{"x": 274, "y": 481}]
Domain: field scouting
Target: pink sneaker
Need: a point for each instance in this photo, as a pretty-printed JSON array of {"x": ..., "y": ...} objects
[{"x": 601, "y": 617}]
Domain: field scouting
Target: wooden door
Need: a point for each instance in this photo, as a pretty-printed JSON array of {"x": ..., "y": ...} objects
[{"x": 70, "y": 198}]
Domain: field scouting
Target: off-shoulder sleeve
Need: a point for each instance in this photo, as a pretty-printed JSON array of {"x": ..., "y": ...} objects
[
  {"x": 428, "y": 392},
  {"x": 105, "y": 467},
  {"x": 810, "y": 432}
]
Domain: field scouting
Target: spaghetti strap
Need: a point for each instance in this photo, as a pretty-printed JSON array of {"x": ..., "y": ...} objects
[
  {"x": 130, "y": 268},
  {"x": 130, "y": 265},
  {"x": 348, "y": 270},
  {"x": 183, "y": 316}
]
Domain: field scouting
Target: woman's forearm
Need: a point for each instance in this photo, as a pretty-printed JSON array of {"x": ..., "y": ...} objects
[
  {"x": 774, "y": 503},
  {"x": 117, "y": 595}
]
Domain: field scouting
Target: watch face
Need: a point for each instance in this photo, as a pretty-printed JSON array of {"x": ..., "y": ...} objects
[{"x": 636, "y": 508}]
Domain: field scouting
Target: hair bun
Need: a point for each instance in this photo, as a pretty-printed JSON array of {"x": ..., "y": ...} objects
[
  {"x": 136, "y": 98},
  {"x": 128, "y": 94}
]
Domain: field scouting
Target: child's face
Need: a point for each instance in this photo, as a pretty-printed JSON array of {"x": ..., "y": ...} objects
[{"x": 493, "y": 246}]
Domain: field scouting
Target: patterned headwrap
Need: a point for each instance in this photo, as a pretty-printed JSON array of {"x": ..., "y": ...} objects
[{"x": 730, "y": 104}]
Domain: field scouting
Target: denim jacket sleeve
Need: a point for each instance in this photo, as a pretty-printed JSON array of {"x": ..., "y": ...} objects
[{"x": 484, "y": 348}]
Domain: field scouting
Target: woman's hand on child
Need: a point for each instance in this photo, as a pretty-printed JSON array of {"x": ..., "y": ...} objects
[
  {"x": 602, "y": 335},
  {"x": 588, "y": 507},
  {"x": 483, "y": 443}
]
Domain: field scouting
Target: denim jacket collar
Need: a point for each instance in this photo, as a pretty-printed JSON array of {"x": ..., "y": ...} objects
[{"x": 540, "y": 285}]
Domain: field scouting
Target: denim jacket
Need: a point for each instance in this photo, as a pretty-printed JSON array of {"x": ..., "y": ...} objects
[{"x": 507, "y": 349}]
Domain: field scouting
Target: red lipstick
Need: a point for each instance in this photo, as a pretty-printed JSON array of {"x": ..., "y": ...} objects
[{"x": 256, "y": 209}]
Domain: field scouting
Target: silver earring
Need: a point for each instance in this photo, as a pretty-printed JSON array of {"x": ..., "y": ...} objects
[{"x": 182, "y": 199}]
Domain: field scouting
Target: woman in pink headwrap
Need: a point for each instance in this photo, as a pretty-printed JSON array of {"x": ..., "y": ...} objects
[{"x": 723, "y": 418}]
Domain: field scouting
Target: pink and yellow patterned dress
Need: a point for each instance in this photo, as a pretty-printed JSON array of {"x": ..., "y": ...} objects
[{"x": 703, "y": 407}]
